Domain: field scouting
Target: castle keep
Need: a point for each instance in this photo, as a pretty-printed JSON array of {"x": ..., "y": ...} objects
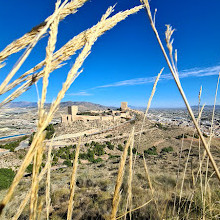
[{"x": 109, "y": 115}]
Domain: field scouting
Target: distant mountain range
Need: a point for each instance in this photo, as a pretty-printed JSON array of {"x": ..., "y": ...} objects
[
  {"x": 90, "y": 106},
  {"x": 83, "y": 106}
]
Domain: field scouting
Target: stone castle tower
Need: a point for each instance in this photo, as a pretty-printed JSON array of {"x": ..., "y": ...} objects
[
  {"x": 72, "y": 110},
  {"x": 124, "y": 106}
]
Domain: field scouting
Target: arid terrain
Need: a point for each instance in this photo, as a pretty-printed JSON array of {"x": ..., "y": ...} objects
[{"x": 165, "y": 146}]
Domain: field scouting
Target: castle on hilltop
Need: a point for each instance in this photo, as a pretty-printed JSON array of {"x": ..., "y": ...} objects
[{"x": 108, "y": 115}]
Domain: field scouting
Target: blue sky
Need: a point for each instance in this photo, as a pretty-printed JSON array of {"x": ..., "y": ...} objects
[{"x": 125, "y": 60}]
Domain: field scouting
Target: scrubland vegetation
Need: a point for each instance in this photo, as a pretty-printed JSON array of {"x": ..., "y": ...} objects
[{"x": 129, "y": 181}]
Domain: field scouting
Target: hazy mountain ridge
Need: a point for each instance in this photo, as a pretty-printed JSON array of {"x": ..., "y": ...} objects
[
  {"x": 82, "y": 105},
  {"x": 94, "y": 106}
]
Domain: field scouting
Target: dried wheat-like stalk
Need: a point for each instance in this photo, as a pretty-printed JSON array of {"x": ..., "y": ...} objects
[
  {"x": 150, "y": 185},
  {"x": 73, "y": 182},
  {"x": 147, "y": 109},
  {"x": 202, "y": 160},
  {"x": 186, "y": 164},
  {"x": 139, "y": 207},
  {"x": 130, "y": 177},
  {"x": 39, "y": 153},
  {"x": 73, "y": 73},
  {"x": 2, "y": 65},
  {"x": 177, "y": 175},
  {"x": 39, "y": 209},
  {"x": 28, "y": 195},
  {"x": 30, "y": 47},
  {"x": 35, "y": 180},
  {"x": 48, "y": 200},
  {"x": 115, "y": 201},
  {"x": 28, "y": 38},
  {"x": 194, "y": 182},
  {"x": 49, "y": 54},
  {"x": 176, "y": 78},
  {"x": 209, "y": 144},
  {"x": 65, "y": 53}
]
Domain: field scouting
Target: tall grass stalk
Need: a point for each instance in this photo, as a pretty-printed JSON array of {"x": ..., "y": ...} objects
[
  {"x": 35, "y": 180},
  {"x": 73, "y": 73},
  {"x": 186, "y": 164},
  {"x": 19, "y": 44},
  {"x": 48, "y": 183},
  {"x": 210, "y": 139},
  {"x": 30, "y": 47},
  {"x": 28, "y": 195},
  {"x": 73, "y": 182},
  {"x": 147, "y": 109},
  {"x": 176, "y": 78},
  {"x": 139, "y": 207},
  {"x": 115, "y": 201},
  {"x": 178, "y": 174},
  {"x": 130, "y": 177},
  {"x": 150, "y": 185},
  {"x": 65, "y": 53}
]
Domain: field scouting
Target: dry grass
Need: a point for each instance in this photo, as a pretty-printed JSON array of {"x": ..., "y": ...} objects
[
  {"x": 174, "y": 72},
  {"x": 116, "y": 197},
  {"x": 28, "y": 38},
  {"x": 35, "y": 149},
  {"x": 73, "y": 183},
  {"x": 54, "y": 60},
  {"x": 64, "y": 53}
]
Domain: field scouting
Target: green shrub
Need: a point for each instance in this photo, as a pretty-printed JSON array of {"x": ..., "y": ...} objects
[
  {"x": 166, "y": 149},
  {"x": 132, "y": 122},
  {"x": 90, "y": 155},
  {"x": 87, "y": 156},
  {"x": 108, "y": 136},
  {"x": 99, "y": 150},
  {"x": 110, "y": 147},
  {"x": 181, "y": 136},
  {"x": 74, "y": 146},
  {"x": 151, "y": 151},
  {"x": 113, "y": 156},
  {"x": 160, "y": 126},
  {"x": 55, "y": 160},
  {"x": 196, "y": 136},
  {"x": 6, "y": 177},
  {"x": 93, "y": 143},
  {"x": 97, "y": 160},
  {"x": 120, "y": 147},
  {"x": 31, "y": 138},
  {"x": 134, "y": 150},
  {"x": 44, "y": 157},
  {"x": 50, "y": 131},
  {"x": 67, "y": 163},
  {"x": 205, "y": 135},
  {"x": 29, "y": 169},
  {"x": 21, "y": 157}
]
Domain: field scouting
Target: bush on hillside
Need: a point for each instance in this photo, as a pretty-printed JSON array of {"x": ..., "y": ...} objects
[
  {"x": 151, "y": 151},
  {"x": 166, "y": 149},
  {"x": 6, "y": 177}
]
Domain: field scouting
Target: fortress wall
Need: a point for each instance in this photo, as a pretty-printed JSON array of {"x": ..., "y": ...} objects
[
  {"x": 107, "y": 118},
  {"x": 85, "y": 117},
  {"x": 66, "y": 119}
]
